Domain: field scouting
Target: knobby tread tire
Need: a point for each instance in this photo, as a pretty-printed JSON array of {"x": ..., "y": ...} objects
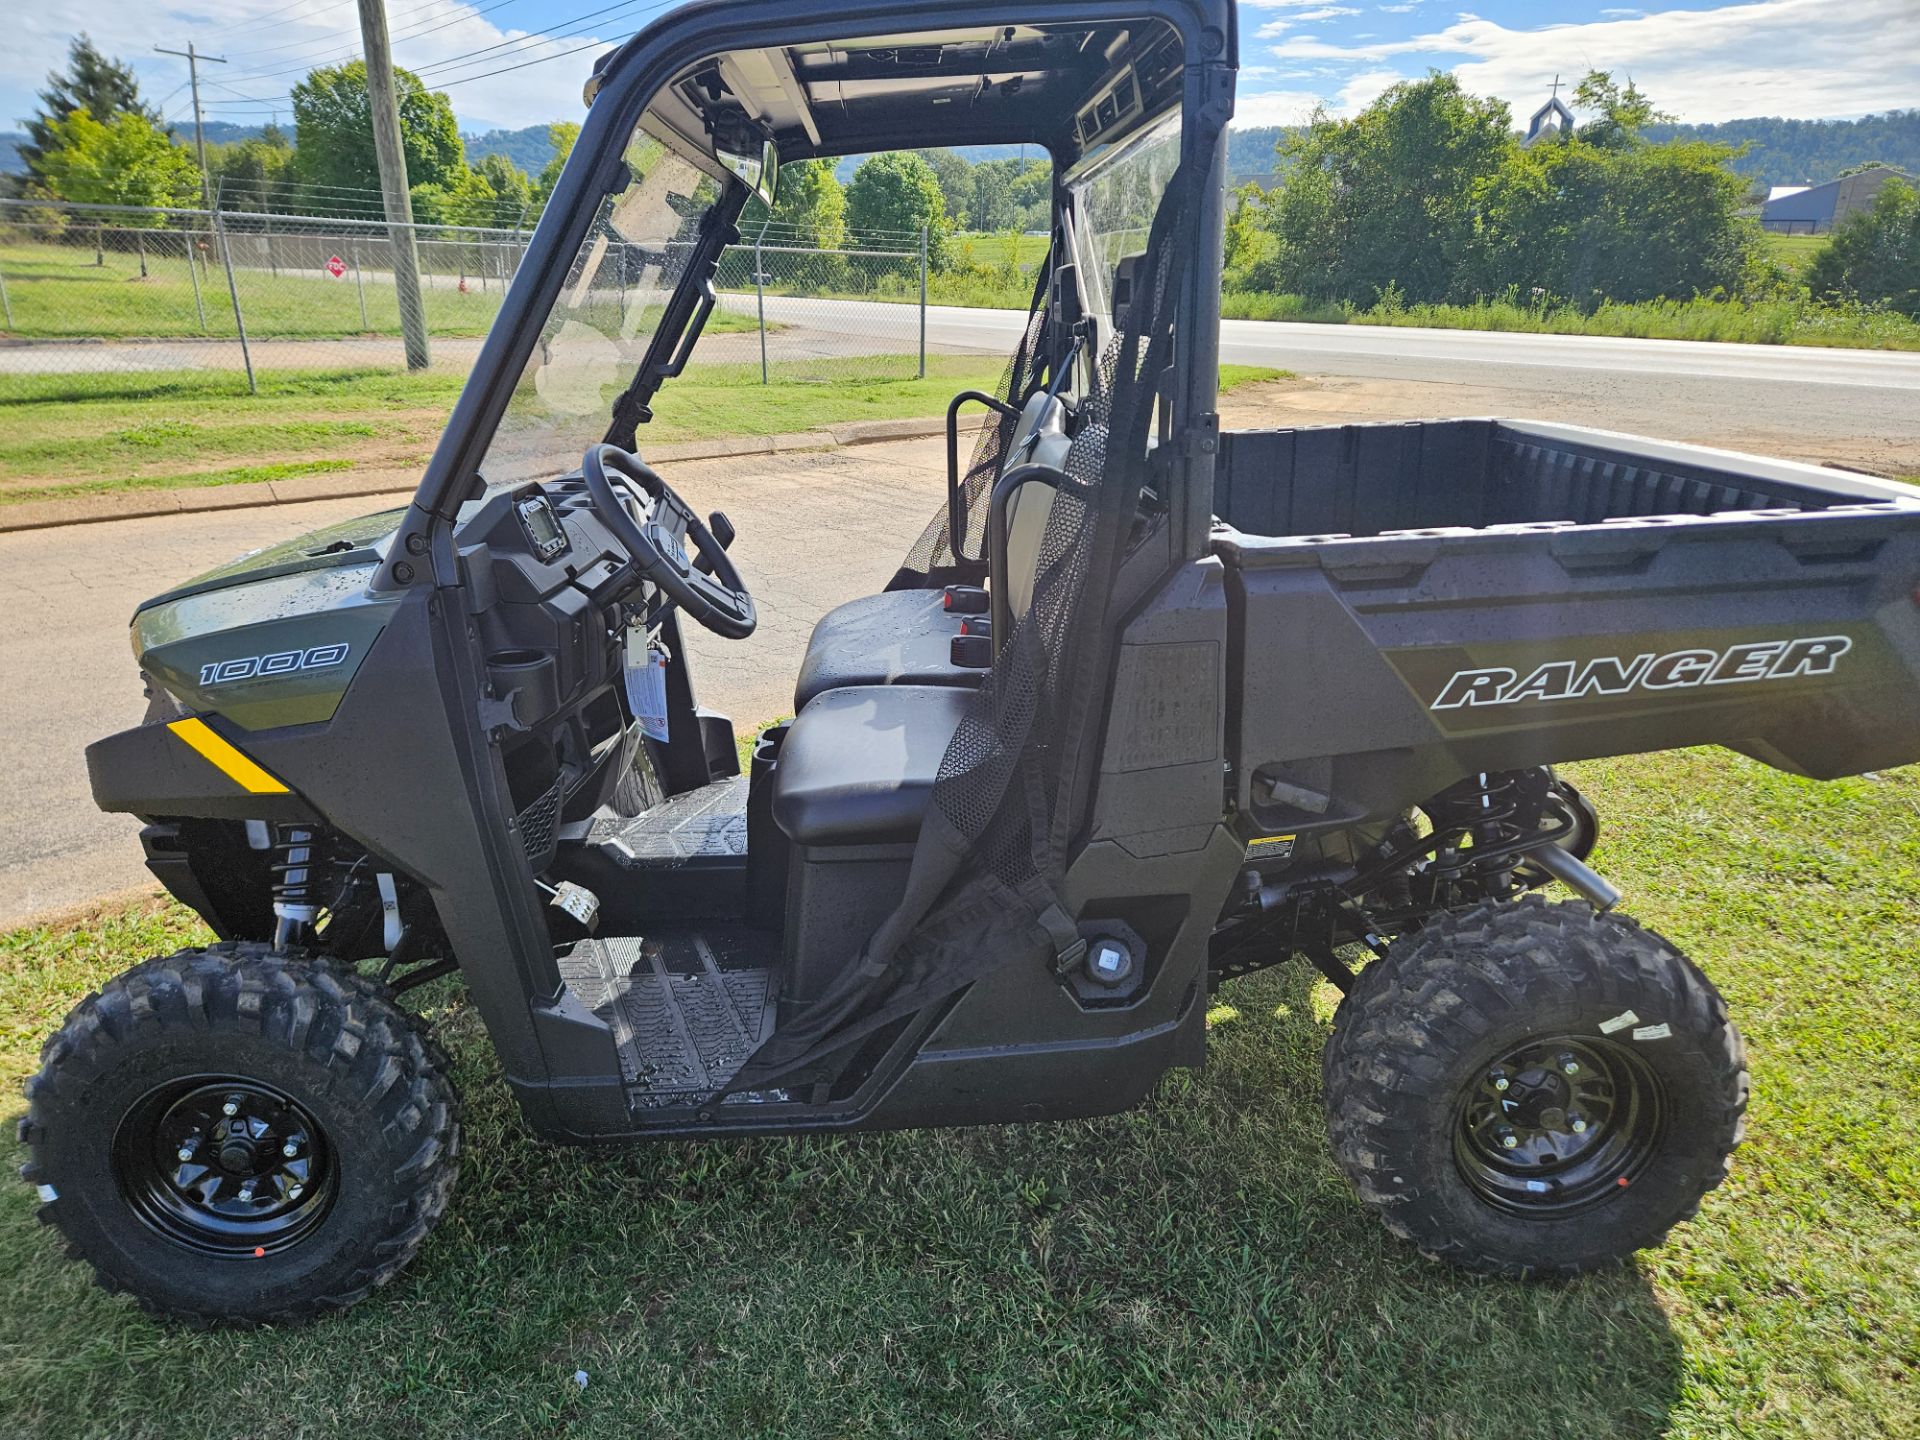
[
  {"x": 333, "y": 1039},
  {"x": 1419, "y": 1024}
]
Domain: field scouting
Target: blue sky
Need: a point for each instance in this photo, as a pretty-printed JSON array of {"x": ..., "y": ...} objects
[{"x": 520, "y": 62}]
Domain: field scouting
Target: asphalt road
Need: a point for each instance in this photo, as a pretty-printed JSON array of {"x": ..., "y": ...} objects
[{"x": 815, "y": 529}]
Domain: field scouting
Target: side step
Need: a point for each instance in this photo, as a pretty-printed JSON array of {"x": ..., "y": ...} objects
[{"x": 686, "y": 1005}]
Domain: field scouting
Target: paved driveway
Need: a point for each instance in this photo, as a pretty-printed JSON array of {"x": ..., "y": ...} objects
[{"x": 815, "y": 529}]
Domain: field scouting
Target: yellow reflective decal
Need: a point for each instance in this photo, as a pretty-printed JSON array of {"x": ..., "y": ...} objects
[{"x": 226, "y": 759}]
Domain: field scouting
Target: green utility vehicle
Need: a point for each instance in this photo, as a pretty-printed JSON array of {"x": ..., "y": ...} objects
[{"x": 1151, "y": 704}]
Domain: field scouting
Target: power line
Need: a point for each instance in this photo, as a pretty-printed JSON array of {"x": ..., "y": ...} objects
[
  {"x": 318, "y": 61},
  {"x": 521, "y": 41}
]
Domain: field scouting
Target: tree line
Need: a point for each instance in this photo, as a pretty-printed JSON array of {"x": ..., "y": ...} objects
[
  {"x": 1428, "y": 197},
  {"x": 95, "y": 140}
]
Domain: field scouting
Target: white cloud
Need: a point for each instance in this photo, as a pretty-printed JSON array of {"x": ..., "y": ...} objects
[
  {"x": 269, "y": 48},
  {"x": 1324, "y": 12},
  {"x": 1764, "y": 57},
  {"x": 1363, "y": 89},
  {"x": 1276, "y": 107}
]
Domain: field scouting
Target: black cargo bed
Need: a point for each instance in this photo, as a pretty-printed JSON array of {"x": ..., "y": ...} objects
[{"x": 1411, "y": 603}]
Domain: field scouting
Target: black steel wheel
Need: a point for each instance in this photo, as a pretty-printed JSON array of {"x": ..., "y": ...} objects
[
  {"x": 1526, "y": 1088},
  {"x": 225, "y": 1165},
  {"x": 239, "y": 1135},
  {"x": 1556, "y": 1124}
]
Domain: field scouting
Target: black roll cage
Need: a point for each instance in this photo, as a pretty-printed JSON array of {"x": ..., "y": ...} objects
[{"x": 626, "y": 80}]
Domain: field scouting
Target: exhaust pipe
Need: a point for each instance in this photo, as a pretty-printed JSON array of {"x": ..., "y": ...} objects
[{"x": 1576, "y": 875}]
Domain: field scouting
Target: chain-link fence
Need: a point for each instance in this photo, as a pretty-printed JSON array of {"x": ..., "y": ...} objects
[{"x": 99, "y": 298}]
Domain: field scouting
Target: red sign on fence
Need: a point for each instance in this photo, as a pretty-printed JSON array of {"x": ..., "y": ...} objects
[{"x": 336, "y": 267}]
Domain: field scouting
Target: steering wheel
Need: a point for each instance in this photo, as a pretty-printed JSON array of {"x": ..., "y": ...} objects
[{"x": 656, "y": 547}]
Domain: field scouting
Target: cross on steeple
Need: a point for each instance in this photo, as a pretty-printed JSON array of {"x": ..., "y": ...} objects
[{"x": 1556, "y": 87}]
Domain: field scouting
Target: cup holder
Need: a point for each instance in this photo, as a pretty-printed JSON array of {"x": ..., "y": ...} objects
[{"x": 530, "y": 673}]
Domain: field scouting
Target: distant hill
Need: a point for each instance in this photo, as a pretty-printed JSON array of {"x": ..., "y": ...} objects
[
  {"x": 1797, "y": 152},
  {"x": 528, "y": 148},
  {"x": 10, "y": 143}
]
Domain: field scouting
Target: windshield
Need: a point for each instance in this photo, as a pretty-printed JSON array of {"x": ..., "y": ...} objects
[
  {"x": 1115, "y": 197},
  {"x": 598, "y": 330}
]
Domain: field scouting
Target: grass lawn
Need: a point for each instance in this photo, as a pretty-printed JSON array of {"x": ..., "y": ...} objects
[
  {"x": 1756, "y": 322},
  {"x": 58, "y": 292},
  {"x": 163, "y": 431},
  {"x": 1793, "y": 252},
  {"x": 1196, "y": 1267}
]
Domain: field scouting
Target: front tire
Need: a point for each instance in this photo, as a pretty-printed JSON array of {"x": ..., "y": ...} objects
[
  {"x": 240, "y": 1135},
  {"x": 1527, "y": 1089}
]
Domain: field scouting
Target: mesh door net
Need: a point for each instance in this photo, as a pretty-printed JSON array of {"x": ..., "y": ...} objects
[{"x": 983, "y": 887}]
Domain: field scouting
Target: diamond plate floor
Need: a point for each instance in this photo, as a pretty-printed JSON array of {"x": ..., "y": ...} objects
[
  {"x": 682, "y": 1022},
  {"x": 705, "y": 824}
]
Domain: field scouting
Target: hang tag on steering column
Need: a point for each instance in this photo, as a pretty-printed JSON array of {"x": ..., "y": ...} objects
[{"x": 646, "y": 679}]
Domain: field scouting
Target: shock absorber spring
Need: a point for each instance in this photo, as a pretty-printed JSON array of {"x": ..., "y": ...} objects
[{"x": 297, "y": 866}]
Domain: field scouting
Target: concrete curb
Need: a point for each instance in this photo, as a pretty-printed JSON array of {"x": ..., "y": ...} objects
[{"x": 144, "y": 504}]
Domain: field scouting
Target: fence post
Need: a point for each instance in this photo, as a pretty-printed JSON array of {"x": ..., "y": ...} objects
[
  {"x": 360, "y": 285},
  {"x": 193, "y": 274},
  {"x": 140, "y": 244},
  {"x": 233, "y": 291},
  {"x": 6, "y": 305},
  {"x": 760, "y": 301},
  {"x": 99, "y": 245},
  {"x": 923, "y": 302}
]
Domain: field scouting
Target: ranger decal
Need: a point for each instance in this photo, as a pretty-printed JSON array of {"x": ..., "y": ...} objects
[{"x": 1607, "y": 675}]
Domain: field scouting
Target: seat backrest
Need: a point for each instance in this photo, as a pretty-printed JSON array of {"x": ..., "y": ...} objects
[{"x": 1039, "y": 439}]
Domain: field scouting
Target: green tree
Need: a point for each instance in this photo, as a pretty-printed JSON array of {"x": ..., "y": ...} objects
[
  {"x": 1009, "y": 195},
  {"x": 334, "y": 122},
  {"x": 123, "y": 162},
  {"x": 1874, "y": 257},
  {"x": 512, "y": 190},
  {"x": 255, "y": 174},
  {"x": 809, "y": 208},
  {"x": 561, "y": 135},
  {"x": 956, "y": 177},
  {"x": 1621, "y": 113},
  {"x": 1586, "y": 223},
  {"x": 1388, "y": 198},
  {"x": 892, "y": 196},
  {"x": 101, "y": 86}
]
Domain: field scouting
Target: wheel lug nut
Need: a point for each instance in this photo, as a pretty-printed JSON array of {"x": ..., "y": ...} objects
[
  {"x": 1500, "y": 1082},
  {"x": 246, "y": 1193},
  {"x": 232, "y": 1107},
  {"x": 1508, "y": 1140},
  {"x": 289, "y": 1149},
  {"x": 1578, "y": 1125},
  {"x": 185, "y": 1152},
  {"x": 1569, "y": 1065}
]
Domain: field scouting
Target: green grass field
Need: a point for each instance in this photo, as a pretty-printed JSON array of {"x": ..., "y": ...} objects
[
  {"x": 1793, "y": 253},
  {"x": 1759, "y": 322},
  {"x": 91, "y": 434},
  {"x": 1196, "y": 1267},
  {"x": 58, "y": 292}
]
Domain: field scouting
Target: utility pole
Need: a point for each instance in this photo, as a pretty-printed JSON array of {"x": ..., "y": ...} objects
[
  {"x": 194, "y": 59},
  {"x": 394, "y": 194}
]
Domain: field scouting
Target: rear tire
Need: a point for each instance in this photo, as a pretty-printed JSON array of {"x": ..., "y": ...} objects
[
  {"x": 337, "y": 1154},
  {"x": 1450, "y": 1112}
]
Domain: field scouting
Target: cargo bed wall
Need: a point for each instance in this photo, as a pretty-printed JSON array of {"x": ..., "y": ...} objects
[
  {"x": 1366, "y": 479},
  {"x": 1369, "y": 673}
]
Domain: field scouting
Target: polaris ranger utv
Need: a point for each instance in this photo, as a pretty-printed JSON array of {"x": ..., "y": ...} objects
[{"x": 1148, "y": 707}]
